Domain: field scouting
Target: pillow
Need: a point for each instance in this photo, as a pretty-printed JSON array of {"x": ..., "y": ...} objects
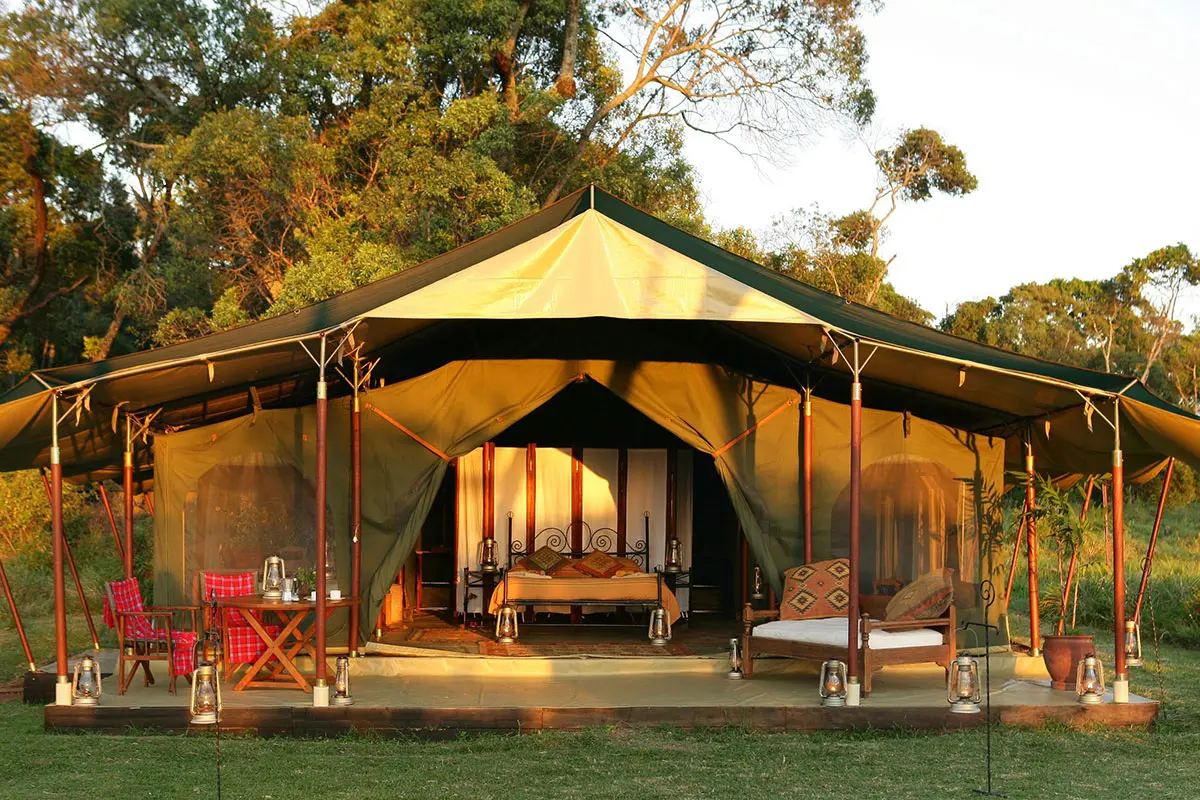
[
  {"x": 927, "y": 597},
  {"x": 524, "y": 565},
  {"x": 545, "y": 558},
  {"x": 598, "y": 564},
  {"x": 816, "y": 591},
  {"x": 569, "y": 568}
]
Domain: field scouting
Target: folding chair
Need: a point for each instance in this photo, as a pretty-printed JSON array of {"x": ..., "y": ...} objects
[{"x": 146, "y": 633}]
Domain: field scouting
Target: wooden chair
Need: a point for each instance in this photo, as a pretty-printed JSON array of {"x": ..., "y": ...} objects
[
  {"x": 240, "y": 644},
  {"x": 147, "y": 633},
  {"x": 870, "y": 659}
]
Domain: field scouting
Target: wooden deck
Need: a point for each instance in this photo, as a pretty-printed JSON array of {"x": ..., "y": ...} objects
[{"x": 443, "y": 694}]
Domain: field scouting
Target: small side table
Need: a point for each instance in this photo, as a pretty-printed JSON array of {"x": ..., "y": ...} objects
[
  {"x": 486, "y": 582},
  {"x": 680, "y": 580}
]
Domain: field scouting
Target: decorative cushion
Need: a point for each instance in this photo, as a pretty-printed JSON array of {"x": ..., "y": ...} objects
[
  {"x": 927, "y": 597},
  {"x": 525, "y": 565},
  {"x": 816, "y": 591},
  {"x": 545, "y": 558},
  {"x": 569, "y": 568},
  {"x": 598, "y": 564}
]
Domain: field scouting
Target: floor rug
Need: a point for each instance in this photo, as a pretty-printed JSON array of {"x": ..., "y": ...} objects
[{"x": 597, "y": 649}]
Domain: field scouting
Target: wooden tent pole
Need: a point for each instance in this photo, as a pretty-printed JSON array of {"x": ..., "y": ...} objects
[
  {"x": 127, "y": 488},
  {"x": 1031, "y": 549},
  {"x": 1162, "y": 505},
  {"x": 16, "y": 615},
  {"x": 1066, "y": 586},
  {"x": 852, "y": 661},
  {"x": 1012, "y": 564},
  {"x": 320, "y": 685},
  {"x": 112, "y": 521},
  {"x": 70, "y": 559},
  {"x": 808, "y": 476},
  {"x": 1118, "y": 508},
  {"x": 62, "y": 688},
  {"x": 355, "y": 514}
]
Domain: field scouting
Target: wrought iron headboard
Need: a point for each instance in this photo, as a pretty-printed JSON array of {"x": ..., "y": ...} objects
[{"x": 606, "y": 540}]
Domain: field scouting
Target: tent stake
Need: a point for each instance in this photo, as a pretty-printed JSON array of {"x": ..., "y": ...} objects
[
  {"x": 16, "y": 615},
  {"x": 1162, "y": 505}
]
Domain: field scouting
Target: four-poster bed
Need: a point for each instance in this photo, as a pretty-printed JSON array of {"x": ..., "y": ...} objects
[{"x": 717, "y": 351}]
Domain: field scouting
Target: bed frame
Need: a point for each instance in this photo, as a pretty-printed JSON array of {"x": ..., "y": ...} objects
[
  {"x": 606, "y": 540},
  {"x": 869, "y": 660}
]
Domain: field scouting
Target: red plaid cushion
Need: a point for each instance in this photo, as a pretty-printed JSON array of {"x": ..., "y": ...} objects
[
  {"x": 127, "y": 599},
  {"x": 222, "y": 586},
  {"x": 244, "y": 645}
]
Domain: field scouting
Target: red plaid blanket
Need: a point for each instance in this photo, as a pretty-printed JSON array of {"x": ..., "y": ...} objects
[
  {"x": 242, "y": 645},
  {"x": 127, "y": 597}
]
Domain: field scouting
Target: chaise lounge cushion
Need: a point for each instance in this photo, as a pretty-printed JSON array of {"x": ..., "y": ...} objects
[
  {"x": 815, "y": 591},
  {"x": 927, "y": 597},
  {"x": 833, "y": 632}
]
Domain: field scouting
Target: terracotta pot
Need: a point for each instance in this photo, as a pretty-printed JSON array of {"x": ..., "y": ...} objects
[{"x": 1062, "y": 655}]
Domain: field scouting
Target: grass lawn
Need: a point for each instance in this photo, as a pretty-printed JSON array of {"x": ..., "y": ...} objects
[{"x": 625, "y": 763}]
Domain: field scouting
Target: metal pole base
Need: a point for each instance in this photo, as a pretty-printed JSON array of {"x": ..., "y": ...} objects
[
  {"x": 62, "y": 692},
  {"x": 1121, "y": 690},
  {"x": 853, "y": 693},
  {"x": 321, "y": 696}
]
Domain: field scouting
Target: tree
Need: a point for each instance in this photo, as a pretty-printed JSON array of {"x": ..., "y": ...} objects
[
  {"x": 723, "y": 67},
  {"x": 1159, "y": 278},
  {"x": 919, "y": 164}
]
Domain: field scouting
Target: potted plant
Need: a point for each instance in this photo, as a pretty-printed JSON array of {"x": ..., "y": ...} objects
[
  {"x": 1066, "y": 531},
  {"x": 306, "y": 581}
]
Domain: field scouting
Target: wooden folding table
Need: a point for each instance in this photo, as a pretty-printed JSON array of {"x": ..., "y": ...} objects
[{"x": 295, "y": 638}]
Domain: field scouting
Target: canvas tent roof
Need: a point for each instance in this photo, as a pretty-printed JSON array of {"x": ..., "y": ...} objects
[{"x": 557, "y": 278}]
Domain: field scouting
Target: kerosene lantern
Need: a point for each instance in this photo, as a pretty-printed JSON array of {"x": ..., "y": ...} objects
[
  {"x": 735, "y": 660},
  {"x": 833, "y": 684},
  {"x": 205, "y": 705},
  {"x": 341, "y": 683},
  {"x": 1089, "y": 680},
  {"x": 85, "y": 683},
  {"x": 674, "y": 556},
  {"x": 272, "y": 578},
  {"x": 507, "y": 629},
  {"x": 660, "y": 627},
  {"x": 487, "y": 555},
  {"x": 962, "y": 685},
  {"x": 758, "y": 585},
  {"x": 1133, "y": 644}
]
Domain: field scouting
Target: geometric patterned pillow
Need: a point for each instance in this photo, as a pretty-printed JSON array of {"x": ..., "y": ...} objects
[
  {"x": 927, "y": 597},
  {"x": 816, "y": 591},
  {"x": 598, "y": 564},
  {"x": 545, "y": 558}
]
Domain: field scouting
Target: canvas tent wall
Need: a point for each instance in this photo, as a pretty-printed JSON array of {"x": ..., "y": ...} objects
[{"x": 458, "y": 407}]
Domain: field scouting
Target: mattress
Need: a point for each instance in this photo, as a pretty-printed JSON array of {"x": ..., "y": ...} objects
[
  {"x": 561, "y": 591},
  {"x": 833, "y": 632}
]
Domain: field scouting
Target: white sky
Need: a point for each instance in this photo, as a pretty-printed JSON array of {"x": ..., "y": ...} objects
[{"x": 1081, "y": 120}]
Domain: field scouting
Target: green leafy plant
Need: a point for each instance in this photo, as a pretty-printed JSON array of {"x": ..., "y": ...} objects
[{"x": 1065, "y": 528}]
